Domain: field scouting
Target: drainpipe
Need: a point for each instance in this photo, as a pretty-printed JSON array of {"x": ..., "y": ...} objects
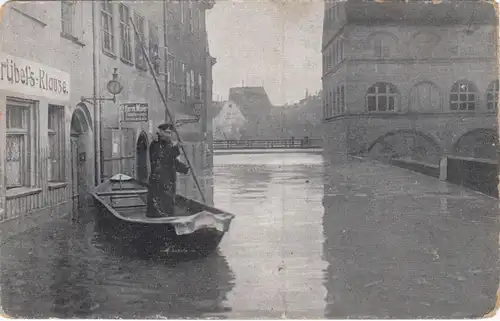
[{"x": 97, "y": 105}]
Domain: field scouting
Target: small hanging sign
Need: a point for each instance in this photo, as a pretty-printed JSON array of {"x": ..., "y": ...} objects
[{"x": 135, "y": 112}]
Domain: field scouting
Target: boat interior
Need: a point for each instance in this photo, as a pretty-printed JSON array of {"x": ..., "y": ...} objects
[{"x": 129, "y": 199}]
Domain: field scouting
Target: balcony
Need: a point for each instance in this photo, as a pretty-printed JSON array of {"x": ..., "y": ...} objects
[{"x": 420, "y": 12}]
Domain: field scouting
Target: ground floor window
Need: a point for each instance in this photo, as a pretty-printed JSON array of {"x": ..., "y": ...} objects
[
  {"x": 492, "y": 95},
  {"x": 56, "y": 150},
  {"x": 20, "y": 143}
]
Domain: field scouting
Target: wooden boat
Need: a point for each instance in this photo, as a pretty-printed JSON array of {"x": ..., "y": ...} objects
[{"x": 196, "y": 229}]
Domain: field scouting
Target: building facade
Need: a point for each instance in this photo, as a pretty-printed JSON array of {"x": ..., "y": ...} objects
[
  {"x": 60, "y": 133},
  {"x": 229, "y": 122},
  {"x": 44, "y": 72},
  {"x": 409, "y": 80},
  {"x": 176, "y": 41}
]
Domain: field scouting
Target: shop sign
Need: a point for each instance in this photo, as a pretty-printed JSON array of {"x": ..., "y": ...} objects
[
  {"x": 31, "y": 78},
  {"x": 135, "y": 112}
]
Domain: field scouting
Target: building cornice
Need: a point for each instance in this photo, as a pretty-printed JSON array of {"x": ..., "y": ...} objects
[
  {"x": 408, "y": 61},
  {"x": 411, "y": 115},
  {"x": 411, "y": 61}
]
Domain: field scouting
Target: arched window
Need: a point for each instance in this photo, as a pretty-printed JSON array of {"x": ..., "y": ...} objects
[
  {"x": 425, "y": 97},
  {"x": 463, "y": 96},
  {"x": 492, "y": 95},
  {"x": 382, "y": 97}
]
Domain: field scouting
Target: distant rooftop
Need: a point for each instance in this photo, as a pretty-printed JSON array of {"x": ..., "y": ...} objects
[{"x": 253, "y": 101}]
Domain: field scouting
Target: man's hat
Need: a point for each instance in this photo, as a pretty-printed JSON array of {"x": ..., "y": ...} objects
[{"x": 166, "y": 126}]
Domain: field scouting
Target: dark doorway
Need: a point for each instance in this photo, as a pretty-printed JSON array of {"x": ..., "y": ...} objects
[
  {"x": 142, "y": 157},
  {"x": 80, "y": 138}
]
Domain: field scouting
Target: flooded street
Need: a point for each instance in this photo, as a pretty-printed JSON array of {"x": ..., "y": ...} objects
[
  {"x": 269, "y": 262},
  {"x": 387, "y": 242}
]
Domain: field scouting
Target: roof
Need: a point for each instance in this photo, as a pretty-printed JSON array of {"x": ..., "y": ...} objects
[
  {"x": 215, "y": 108},
  {"x": 253, "y": 101}
]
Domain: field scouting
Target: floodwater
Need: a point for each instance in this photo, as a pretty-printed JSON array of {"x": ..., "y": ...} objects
[{"x": 364, "y": 240}]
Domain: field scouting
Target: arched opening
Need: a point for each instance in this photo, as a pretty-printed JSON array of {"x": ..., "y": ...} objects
[
  {"x": 477, "y": 143},
  {"x": 492, "y": 95},
  {"x": 81, "y": 146},
  {"x": 423, "y": 43},
  {"x": 383, "y": 44},
  {"x": 382, "y": 97},
  {"x": 425, "y": 97},
  {"x": 463, "y": 96},
  {"x": 405, "y": 144},
  {"x": 142, "y": 157}
]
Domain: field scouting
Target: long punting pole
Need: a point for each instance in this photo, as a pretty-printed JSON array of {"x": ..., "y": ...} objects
[{"x": 168, "y": 111}]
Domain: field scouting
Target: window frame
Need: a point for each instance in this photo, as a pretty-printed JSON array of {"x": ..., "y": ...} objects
[
  {"x": 69, "y": 14},
  {"x": 28, "y": 171},
  {"x": 59, "y": 133},
  {"x": 154, "y": 40},
  {"x": 456, "y": 89},
  {"x": 108, "y": 15},
  {"x": 183, "y": 79},
  {"x": 182, "y": 13},
  {"x": 171, "y": 79},
  {"x": 191, "y": 16},
  {"x": 126, "y": 54},
  {"x": 391, "y": 91},
  {"x": 140, "y": 60},
  {"x": 492, "y": 90}
]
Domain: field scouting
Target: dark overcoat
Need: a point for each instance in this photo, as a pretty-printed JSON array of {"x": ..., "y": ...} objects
[{"x": 164, "y": 167}]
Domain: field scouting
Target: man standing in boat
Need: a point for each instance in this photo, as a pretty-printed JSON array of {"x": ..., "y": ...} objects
[{"x": 163, "y": 155}]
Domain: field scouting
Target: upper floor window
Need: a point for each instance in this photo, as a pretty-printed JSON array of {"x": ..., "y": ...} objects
[
  {"x": 107, "y": 30},
  {"x": 140, "y": 60},
  {"x": 381, "y": 97},
  {"x": 463, "y": 96},
  {"x": 492, "y": 95},
  {"x": 200, "y": 86},
  {"x": 192, "y": 82},
  {"x": 181, "y": 7},
  {"x": 67, "y": 15},
  {"x": 380, "y": 47},
  {"x": 191, "y": 16},
  {"x": 125, "y": 36},
  {"x": 182, "y": 81},
  {"x": 381, "y": 44},
  {"x": 423, "y": 44},
  {"x": 154, "y": 46},
  {"x": 171, "y": 75}
]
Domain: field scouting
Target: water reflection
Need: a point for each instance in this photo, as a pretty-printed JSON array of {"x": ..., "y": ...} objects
[
  {"x": 66, "y": 271},
  {"x": 405, "y": 252},
  {"x": 274, "y": 245},
  {"x": 366, "y": 240}
]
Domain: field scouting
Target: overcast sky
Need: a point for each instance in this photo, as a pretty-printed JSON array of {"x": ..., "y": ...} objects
[{"x": 263, "y": 42}]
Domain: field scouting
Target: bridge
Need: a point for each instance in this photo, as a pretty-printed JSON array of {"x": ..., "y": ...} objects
[{"x": 304, "y": 143}]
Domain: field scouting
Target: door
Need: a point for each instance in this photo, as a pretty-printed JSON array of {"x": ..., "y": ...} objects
[{"x": 75, "y": 171}]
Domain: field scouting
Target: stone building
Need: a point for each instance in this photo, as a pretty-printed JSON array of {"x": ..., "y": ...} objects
[
  {"x": 415, "y": 79},
  {"x": 229, "y": 122},
  {"x": 46, "y": 140},
  {"x": 180, "y": 50},
  {"x": 255, "y": 106},
  {"x": 59, "y": 129}
]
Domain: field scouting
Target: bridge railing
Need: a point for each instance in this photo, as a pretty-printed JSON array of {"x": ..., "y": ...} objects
[{"x": 268, "y": 143}]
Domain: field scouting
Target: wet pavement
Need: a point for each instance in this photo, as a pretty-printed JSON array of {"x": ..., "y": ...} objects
[{"x": 365, "y": 240}]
